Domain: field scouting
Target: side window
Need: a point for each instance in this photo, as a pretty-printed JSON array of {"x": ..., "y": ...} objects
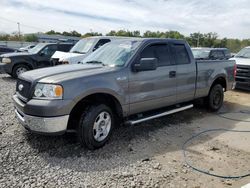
[
  {"x": 217, "y": 54},
  {"x": 181, "y": 54},
  {"x": 159, "y": 51},
  {"x": 227, "y": 53},
  {"x": 64, "y": 47},
  {"x": 49, "y": 50},
  {"x": 100, "y": 43}
]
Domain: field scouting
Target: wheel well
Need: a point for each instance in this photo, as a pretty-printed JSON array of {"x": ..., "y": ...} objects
[
  {"x": 23, "y": 63},
  {"x": 221, "y": 81},
  {"x": 98, "y": 98}
]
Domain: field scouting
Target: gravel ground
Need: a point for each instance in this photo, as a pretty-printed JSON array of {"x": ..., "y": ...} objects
[{"x": 148, "y": 155}]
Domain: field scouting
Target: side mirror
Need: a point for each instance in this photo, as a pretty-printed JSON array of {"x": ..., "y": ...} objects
[
  {"x": 146, "y": 64},
  {"x": 42, "y": 54}
]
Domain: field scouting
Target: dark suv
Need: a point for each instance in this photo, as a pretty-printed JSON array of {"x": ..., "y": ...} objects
[
  {"x": 37, "y": 57},
  {"x": 211, "y": 53}
]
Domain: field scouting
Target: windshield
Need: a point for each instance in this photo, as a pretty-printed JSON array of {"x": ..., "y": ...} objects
[
  {"x": 201, "y": 53},
  {"x": 116, "y": 53},
  {"x": 244, "y": 53},
  {"x": 83, "y": 46},
  {"x": 37, "y": 48}
]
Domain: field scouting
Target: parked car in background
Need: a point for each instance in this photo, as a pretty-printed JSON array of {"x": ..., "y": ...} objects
[
  {"x": 242, "y": 59},
  {"x": 5, "y": 50},
  {"x": 26, "y": 48},
  {"x": 81, "y": 49},
  {"x": 130, "y": 80},
  {"x": 211, "y": 53},
  {"x": 37, "y": 57}
]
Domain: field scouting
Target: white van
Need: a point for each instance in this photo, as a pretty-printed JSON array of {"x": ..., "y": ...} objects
[{"x": 81, "y": 49}]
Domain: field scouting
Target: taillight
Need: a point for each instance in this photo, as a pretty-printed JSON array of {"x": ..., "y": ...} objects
[{"x": 235, "y": 70}]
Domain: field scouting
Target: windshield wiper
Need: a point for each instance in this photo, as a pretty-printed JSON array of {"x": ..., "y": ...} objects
[
  {"x": 78, "y": 52},
  {"x": 96, "y": 62},
  {"x": 242, "y": 56}
]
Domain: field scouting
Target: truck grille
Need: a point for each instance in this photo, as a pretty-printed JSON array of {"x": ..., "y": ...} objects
[
  {"x": 23, "y": 88},
  {"x": 243, "y": 73}
]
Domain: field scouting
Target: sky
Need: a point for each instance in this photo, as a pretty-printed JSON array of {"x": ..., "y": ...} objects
[{"x": 228, "y": 18}]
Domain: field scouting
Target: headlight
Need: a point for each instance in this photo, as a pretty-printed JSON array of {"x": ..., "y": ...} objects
[
  {"x": 6, "y": 60},
  {"x": 48, "y": 91},
  {"x": 65, "y": 62}
]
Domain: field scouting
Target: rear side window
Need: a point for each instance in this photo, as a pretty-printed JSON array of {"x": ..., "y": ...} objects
[
  {"x": 181, "y": 54},
  {"x": 64, "y": 47},
  {"x": 217, "y": 54},
  {"x": 158, "y": 51},
  {"x": 227, "y": 53},
  {"x": 100, "y": 43}
]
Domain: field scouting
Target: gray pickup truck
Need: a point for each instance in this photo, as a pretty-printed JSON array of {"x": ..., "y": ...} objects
[{"x": 131, "y": 81}]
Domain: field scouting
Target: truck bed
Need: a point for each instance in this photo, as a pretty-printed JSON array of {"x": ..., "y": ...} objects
[{"x": 209, "y": 70}]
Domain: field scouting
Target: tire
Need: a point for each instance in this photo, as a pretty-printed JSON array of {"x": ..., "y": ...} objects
[
  {"x": 95, "y": 126},
  {"x": 215, "y": 98},
  {"x": 18, "y": 69}
]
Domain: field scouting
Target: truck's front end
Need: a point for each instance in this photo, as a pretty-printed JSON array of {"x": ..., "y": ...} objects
[
  {"x": 242, "y": 78},
  {"x": 37, "y": 107}
]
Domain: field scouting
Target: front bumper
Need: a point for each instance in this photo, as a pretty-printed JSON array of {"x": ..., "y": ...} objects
[
  {"x": 242, "y": 85},
  {"x": 43, "y": 125},
  {"x": 2, "y": 70}
]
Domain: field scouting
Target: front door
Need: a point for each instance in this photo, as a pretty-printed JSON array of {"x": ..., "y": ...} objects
[
  {"x": 43, "y": 57},
  {"x": 153, "y": 89}
]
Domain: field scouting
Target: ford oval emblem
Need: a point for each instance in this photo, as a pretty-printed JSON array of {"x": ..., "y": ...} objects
[{"x": 20, "y": 87}]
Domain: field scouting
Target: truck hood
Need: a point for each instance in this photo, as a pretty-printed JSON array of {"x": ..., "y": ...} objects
[
  {"x": 63, "y": 72},
  {"x": 241, "y": 61},
  {"x": 16, "y": 54},
  {"x": 63, "y": 55},
  {"x": 75, "y": 59}
]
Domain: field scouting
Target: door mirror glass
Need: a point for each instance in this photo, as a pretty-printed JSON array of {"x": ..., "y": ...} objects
[{"x": 146, "y": 64}]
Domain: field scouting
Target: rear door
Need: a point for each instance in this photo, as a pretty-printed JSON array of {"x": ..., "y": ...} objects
[
  {"x": 153, "y": 89},
  {"x": 185, "y": 73}
]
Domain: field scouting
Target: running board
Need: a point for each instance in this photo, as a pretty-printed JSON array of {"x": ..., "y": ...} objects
[{"x": 133, "y": 122}]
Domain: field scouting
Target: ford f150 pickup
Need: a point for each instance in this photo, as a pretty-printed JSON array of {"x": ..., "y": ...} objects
[{"x": 129, "y": 81}]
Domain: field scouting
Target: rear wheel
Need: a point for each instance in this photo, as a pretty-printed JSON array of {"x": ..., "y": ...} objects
[
  {"x": 18, "y": 69},
  {"x": 215, "y": 98},
  {"x": 95, "y": 126}
]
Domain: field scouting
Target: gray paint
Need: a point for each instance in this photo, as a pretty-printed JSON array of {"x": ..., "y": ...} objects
[{"x": 135, "y": 91}]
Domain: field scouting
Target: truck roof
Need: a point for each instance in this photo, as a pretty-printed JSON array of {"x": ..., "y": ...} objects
[
  {"x": 205, "y": 48},
  {"x": 137, "y": 38},
  {"x": 154, "y": 39}
]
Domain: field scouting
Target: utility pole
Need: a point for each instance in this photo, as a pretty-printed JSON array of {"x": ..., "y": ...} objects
[
  {"x": 198, "y": 40},
  {"x": 19, "y": 32}
]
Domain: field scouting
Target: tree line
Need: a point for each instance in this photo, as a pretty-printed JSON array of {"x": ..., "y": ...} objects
[{"x": 196, "y": 39}]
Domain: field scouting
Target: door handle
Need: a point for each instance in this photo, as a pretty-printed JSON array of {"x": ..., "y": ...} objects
[{"x": 172, "y": 74}]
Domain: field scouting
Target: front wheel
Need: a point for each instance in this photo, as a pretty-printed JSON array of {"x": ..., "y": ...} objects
[
  {"x": 95, "y": 126},
  {"x": 18, "y": 69},
  {"x": 215, "y": 98}
]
